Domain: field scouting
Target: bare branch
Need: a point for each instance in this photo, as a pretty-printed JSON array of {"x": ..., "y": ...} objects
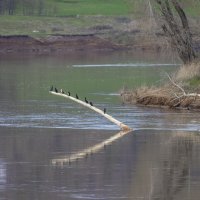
[
  {"x": 178, "y": 34},
  {"x": 178, "y": 86}
]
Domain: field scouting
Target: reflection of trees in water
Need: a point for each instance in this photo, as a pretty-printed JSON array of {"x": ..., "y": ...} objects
[
  {"x": 174, "y": 172},
  {"x": 180, "y": 118}
]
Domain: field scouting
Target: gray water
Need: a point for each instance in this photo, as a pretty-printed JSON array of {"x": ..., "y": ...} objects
[{"x": 158, "y": 160}]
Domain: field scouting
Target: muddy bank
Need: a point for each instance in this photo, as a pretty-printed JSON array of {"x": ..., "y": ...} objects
[
  {"x": 50, "y": 44},
  {"x": 66, "y": 43},
  {"x": 61, "y": 44}
]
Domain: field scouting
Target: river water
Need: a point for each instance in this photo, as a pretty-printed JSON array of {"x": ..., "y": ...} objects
[{"x": 158, "y": 160}]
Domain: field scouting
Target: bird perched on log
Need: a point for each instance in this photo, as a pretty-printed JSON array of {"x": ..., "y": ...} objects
[
  {"x": 51, "y": 89},
  {"x": 77, "y": 96},
  {"x": 61, "y": 91},
  {"x": 68, "y": 93},
  {"x": 86, "y": 101},
  {"x": 104, "y": 110},
  {"x": 56, "y": 90},
  {"x": 91, "y": 103}
]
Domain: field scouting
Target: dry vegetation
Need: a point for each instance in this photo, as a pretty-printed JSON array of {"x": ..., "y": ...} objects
[
  {"x": 182, "y": 90},
  {"x": 187, "y": 72}
]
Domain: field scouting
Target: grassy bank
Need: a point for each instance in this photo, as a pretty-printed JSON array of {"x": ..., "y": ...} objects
[
  {"x": 92, "y": 7},
  {"x": 35, "y": 25},
  {"x": 79, "y": 16},
  {"x": 125, "y": 30},
  {"x": 126, "y": 23},
  {"x": 63, "y": 8},
  {"x": 180, "y": 90}
]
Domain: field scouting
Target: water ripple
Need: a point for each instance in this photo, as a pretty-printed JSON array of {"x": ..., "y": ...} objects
[{"x": 65, "y": 115}]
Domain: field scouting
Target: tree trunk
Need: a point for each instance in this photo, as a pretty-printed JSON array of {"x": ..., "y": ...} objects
[{"x": 179, "y": 34}]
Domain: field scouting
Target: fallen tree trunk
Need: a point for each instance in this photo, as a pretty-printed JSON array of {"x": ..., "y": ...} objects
[{"x": 118, "y": 123}]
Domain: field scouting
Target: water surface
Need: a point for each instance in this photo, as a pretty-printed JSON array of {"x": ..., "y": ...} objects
[
  {"x": 25, "y": 101},
  {"x": 158, "y": 160},
  {"x": 142, "y": 165}
]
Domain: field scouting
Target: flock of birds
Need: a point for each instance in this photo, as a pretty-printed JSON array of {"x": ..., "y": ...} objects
[{"x": 52, "y": 89}]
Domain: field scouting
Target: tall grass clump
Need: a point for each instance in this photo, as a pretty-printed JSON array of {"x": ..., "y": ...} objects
[{"x": 188, "y": 71}]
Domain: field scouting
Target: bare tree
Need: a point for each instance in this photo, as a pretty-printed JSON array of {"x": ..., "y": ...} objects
[
  {"x": 2, "y": 7},
  {"x": 41, "y": 7},
  {"x": 177, "y": 31},
  {"x": 11, "y": 6}
]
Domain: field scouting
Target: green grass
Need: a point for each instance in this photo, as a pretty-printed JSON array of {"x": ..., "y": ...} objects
[
  {"x": 66, "y": 16},
  {"x": 78, "y": 16},
  {"x": 92, "y": 7},
  {"x": 190, "y": 7},
  {"x": 26, "y": 25},
  {"x": 78, "y": 7},
  {"x": 195, "y": 82},
  {"x": 97, "y": 7}
]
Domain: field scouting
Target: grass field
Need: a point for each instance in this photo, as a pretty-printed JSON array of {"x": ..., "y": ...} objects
[
  {"x": 42, "y": 26},
  {"x": 92, "y": 7},
  {"x": 78, "y": 16},
  {"x": 63, "y": 8},
  {"x": 75, "y": 7},
  {"x": 112, "y": 7}
]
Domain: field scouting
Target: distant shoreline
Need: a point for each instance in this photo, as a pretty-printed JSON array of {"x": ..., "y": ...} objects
[{"x": 61, "y": 44}]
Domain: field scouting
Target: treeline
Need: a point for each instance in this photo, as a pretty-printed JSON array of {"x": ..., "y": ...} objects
[{"x": 26, "y": 7}]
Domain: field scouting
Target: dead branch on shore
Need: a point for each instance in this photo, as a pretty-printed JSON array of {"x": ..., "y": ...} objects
[
  {"x": 184, "y": 94},
  {"x": 170, "y": 95},
  {"x": 182, "y": 98},
  {"x": 176, "y": 85}
]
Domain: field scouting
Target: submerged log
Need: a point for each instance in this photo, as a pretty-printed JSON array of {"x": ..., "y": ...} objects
[{"x": 109, "y": 117}]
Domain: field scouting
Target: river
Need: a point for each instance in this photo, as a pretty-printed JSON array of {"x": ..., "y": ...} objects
[{"x": 158, "y": 160}]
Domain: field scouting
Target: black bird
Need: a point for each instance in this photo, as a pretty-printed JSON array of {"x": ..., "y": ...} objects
[
  {"x": 56, "y": 90},
  {"x": 77, "y": 96},
  {"x": 51, "y": 89},
  {"x": 86, "y": 101},
  {"x": 91, "y": 103},
  {"x": 104, "y": 110},
  {"x": 68, "y": 93}
]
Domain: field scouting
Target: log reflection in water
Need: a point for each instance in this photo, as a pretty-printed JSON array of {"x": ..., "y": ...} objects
[{"x": 85, "y": 152}]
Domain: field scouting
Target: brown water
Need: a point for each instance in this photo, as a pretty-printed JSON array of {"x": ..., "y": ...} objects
[{"x": 159, "y": 160}]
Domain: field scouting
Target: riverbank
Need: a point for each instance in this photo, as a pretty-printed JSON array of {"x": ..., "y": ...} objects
[
  {"x": 57, "y": 35},
  {"x": 54, "y": 44},
  {"x": 180, "y": 90},
  {"x": 61, "y": 44},
  {"x": 64, "y": 43}
]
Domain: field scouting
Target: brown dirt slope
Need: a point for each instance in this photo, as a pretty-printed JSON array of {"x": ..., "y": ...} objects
[{"x": 54, "y": 43}]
